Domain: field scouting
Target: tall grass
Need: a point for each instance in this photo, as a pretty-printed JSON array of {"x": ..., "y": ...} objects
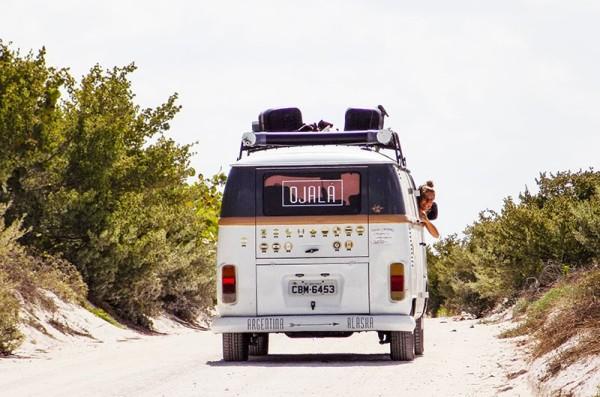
[
  {"x": 10, "y": 337},
  {"x": 569, "y": 310},
  {"x": 25, "y": 275}
]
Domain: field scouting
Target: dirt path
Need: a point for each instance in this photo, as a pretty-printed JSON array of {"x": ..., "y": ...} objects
[{"x": 462, "y": 358}]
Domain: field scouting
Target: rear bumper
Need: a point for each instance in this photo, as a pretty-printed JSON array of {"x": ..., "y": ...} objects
[{"x": 345, "y": 322}]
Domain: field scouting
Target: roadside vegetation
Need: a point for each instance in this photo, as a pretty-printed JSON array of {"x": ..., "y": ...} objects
[
  {"x": 24, "y": 276},
  {"x": 528, "y": 246},
  {"x": 568, "y": 311},
  {"x": 540, "y": 253},
  {"x": 96, "y": 199}
]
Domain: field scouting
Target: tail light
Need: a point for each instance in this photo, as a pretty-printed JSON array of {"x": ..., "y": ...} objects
[
  {"x": 397, "y": 281},
  {"x": 228, "y": 284}
]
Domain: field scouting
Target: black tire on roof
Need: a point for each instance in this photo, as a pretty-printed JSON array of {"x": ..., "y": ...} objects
[
  {"x": 235, "y": 346},
  {"x": 402, "y": 346},
  {"x": 260, "y": 347},
  {"x": 420, "y": 336}
]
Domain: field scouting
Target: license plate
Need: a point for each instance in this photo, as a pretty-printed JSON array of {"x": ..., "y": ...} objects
[{"x": 308, "y": 287}]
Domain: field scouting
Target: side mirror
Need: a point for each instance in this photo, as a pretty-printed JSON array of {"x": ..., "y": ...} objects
[{"x": 433, "y": 212}]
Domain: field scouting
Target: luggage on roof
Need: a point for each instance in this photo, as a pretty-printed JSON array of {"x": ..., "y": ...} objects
[
  {"x": 280, "y": 120},
  {"x": 363, "y": 119},
  {"x": 284, "y": 127}
]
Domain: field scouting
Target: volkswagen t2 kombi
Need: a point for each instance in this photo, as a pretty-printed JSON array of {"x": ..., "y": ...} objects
[{"x": 319, "y": 236}]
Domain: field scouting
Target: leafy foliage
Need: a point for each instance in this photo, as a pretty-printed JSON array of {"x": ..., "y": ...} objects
[
  {"x": 528, "y": 245},
  {"x": 23, "y": 275},
  {"x": 10, "y": 336},
  {"x": 95, "y": 180},
  {"x": 570, "y": 309}
]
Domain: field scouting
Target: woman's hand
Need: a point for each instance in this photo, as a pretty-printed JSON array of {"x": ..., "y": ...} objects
[{"x": 428, "y": 225}]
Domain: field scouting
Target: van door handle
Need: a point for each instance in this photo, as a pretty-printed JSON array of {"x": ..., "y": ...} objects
[
  {"x": 422, "y": 244},
  {"x": 311, "y": 250}
]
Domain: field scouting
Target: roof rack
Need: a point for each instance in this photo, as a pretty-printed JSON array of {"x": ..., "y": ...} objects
[{"x": 372, "y": 139}]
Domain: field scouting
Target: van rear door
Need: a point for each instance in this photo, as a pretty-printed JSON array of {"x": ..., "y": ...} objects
[
  {"x": 312, "y": 244},
  {"x": 316, "y": 288}
]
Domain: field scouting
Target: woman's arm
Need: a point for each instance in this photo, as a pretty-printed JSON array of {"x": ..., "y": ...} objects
[{"x": 429, "y": 226}]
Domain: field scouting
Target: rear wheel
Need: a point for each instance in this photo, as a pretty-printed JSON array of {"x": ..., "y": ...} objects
[
  {"x": 235, "y": 346},
  {"x": 402, "y": 346},
  {"x": 260, "y": 347},
  {"x": 420, "y": 337}
]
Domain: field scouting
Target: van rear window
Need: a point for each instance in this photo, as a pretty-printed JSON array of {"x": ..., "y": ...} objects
[{"x": 304, "y": 192}]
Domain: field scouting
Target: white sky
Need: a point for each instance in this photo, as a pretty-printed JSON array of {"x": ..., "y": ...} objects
[{"x": 484, "y": 95}]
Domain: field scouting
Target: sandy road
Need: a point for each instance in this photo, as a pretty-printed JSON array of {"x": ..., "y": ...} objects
[{"x": 462, "y": 358}]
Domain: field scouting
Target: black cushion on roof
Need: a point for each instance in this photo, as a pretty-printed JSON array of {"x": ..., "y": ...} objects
[
  {"x": 281, "y": 120},
  {"x": 363, "y": 119}
]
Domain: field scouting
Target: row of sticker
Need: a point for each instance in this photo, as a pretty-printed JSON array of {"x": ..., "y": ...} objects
[
  {"x": 336, "y": 231},
  {"x": 287, "y": 246}
]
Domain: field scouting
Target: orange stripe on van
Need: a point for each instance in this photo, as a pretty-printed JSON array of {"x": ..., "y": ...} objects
[
  {"x": 388, "y": 219},
  {"x": 237, "y": 221}
]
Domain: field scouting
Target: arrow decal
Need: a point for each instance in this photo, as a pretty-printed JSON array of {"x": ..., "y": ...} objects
[{"x": 309, "y": 325}]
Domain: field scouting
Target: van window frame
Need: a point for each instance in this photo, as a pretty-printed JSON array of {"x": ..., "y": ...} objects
[
  {"x": 409, "y": 191},
  {"x": 247, "y": 201}
]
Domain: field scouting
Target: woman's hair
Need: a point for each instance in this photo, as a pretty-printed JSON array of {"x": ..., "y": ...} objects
[{"x": 427, "y": 187}]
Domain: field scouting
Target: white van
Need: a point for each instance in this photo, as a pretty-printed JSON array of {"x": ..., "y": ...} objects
[{"x": 319, "y": 236}]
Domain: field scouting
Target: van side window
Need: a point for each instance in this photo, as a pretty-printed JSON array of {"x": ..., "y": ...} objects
[
  {"x": 407, "y": 187},
  {"x": 385, "y": 195},
  {"x": 239, "y": 197}
]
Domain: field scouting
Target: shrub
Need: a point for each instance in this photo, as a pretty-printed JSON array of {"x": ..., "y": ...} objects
[
  {"x": 98, "y": 184},
  {"x": 28, "y": 275},
  {"x": 576, "y": 313},
  {"x": 10, "y": 337},
  {"x": 101, "y": 313},
  {"x": 529, "y": 245},
  {"x": 30, "y": 271},
  {"x": 569, "y": 309}
]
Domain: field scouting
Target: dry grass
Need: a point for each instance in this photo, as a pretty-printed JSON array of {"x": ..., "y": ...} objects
[
  {"x": 571, "y": 309},
  {"x": 31, "y": 273},
  {"x": 66, "y": 329},
  {"x": 10, "y": 336},
  {"x": 36, "y": 324},
  {"x": 26, "y": 275},
  {"x": 578, "y": 315}
]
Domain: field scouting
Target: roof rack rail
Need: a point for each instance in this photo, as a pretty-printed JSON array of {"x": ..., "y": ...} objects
[{"x": 376, "y": 139}]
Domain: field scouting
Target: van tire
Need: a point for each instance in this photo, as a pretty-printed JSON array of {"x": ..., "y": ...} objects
[
  {"x": 420, "y": 337},
  {"x": 235, "y": 346},
  {"x": 260, "y": 347},
  {"x": 402, "y": 346}
]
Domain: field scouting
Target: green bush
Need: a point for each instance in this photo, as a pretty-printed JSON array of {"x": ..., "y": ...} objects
[
  {"x": 30, "y": 272},
  {"x": 529, "y": 245},
  {"x": 101, "y": 313},
  {"x": 99, "y": 185},
  {"x": 10, "y": 336},
  {"x": 569, "y": 309},
  {"x": 521, "y": 306},
  {"x": 27, "y": 276}
]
